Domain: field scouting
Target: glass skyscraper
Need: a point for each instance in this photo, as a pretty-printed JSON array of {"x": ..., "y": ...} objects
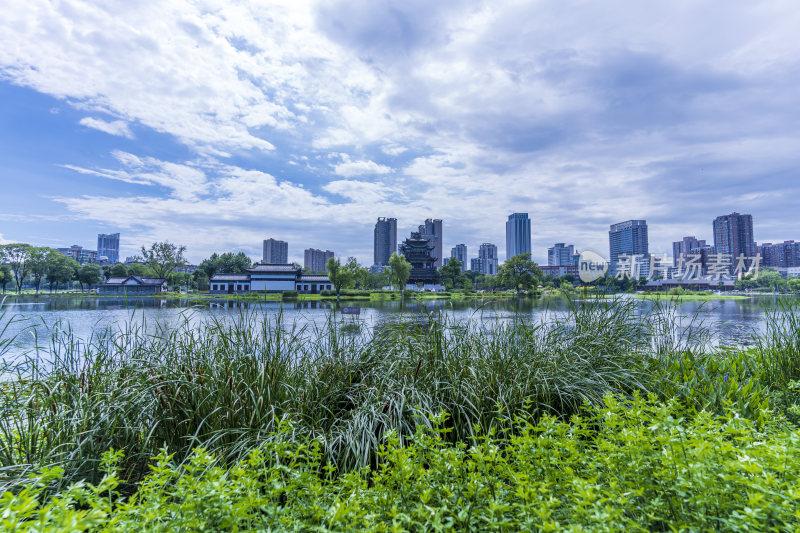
[
  {"x": 108, "y": 245},
  {"x": 518, "y": 235},
  {"x": 385, "y": 243},
  {"x": 629, "y": 239}
]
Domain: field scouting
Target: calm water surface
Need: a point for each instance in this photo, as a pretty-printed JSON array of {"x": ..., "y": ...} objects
[{"x": 31, "y": 321}]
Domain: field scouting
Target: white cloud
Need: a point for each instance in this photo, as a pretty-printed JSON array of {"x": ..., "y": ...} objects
[
  {"x": 349, "y": 168},
  {"x": 115, "y": 127},
  {"x": 577, "y": 113}
]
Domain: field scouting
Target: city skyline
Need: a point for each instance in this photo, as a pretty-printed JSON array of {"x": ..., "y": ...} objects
[
  {"x": 310, "y": 120},
  {"x": 386, "y": 227}
]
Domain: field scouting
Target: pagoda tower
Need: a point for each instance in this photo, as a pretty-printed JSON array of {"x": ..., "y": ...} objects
[{"x": 419, "y": 252}]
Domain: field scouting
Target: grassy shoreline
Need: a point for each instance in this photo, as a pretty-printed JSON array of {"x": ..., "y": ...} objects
[{"x": 339, "y": 412}]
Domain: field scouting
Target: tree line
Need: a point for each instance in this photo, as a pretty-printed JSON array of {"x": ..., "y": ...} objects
[{"x": 42, "y": 266}]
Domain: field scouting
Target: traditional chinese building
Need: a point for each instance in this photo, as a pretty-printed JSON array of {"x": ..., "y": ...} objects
[
  {"x": 270, "y": 278},
  {"x": 419, "y": 252},
  {"x": 132, "y": 286}
]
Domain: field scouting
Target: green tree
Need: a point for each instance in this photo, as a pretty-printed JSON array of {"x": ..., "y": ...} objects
[
  {"x": 118, "y": 271},
  {"x": 17, "y": 256},
  {"x": 793, "y": 284},
  {"x": 228, "y": 263},
  {"x": 6, "y": 276},
  {"x": 37, "y": 262},
  {"x": 399, "y": 271},
  {"x": 59, "y": 269},
  {"x": 201, "y": 279},
  {"x": 450, "y": 273},
  {"x": 163, "y": 258},
  {"x": 377, "y": 280},
  {"x": 143, "y": 271},
  {"x": 359, "y": 273},
  {"x": 519, "y": 273},
  {"x": 340, "y": 276},
  {"x": 89, "y": 274}
]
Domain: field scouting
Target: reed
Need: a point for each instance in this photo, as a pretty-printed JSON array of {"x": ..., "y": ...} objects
[{"x": 228, "y": 385}]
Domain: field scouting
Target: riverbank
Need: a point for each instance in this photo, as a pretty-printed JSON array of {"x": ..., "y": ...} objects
[
  {"x": 326, "y": 401},
  {"x": 700, "y": 296}
]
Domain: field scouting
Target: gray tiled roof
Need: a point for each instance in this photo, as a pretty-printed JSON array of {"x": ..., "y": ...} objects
[
  {"x": 273, "y": 268},
  {"x": 140, "y": 281},
  {"x": 311, "y": 278},
  {"x": 230, "y": 277}
]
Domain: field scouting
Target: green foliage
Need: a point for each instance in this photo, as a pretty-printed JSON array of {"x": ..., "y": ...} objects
[
  {"x": 546, "y": 426},
  {"x": 452, "y": 277},
  {"x": 636, "y": 465},
  {"x": 519, "y": 273},
  {"x": 60, "y": 269},
  {"x": 17, "y": 256},
  {"x": 163, "y": 257},
  {"x": 227, "y": 263},
  {"x": 138, "y": 269},
  {"x": 289, "y": 295},
  {"x": 201, "y": 280},
  {"x": 341, "y": 276},
  {"x": 765, "y": 279},
  {"x": 38, "y": 259},
  {"x": 360, "y": 275},
  {"x": 118, "y": 271},
  {"x": 89, "y": 274},
  {"x": 399, "y": 271},
  {"x": 6, "y": 276}
]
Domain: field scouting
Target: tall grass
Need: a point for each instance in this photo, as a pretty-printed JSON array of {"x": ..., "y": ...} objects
[{"x": 227, "y": 385}]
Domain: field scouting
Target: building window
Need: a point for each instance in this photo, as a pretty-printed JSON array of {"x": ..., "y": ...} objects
[
  {"x": 214, "y": 288},
  {"x": 238, "y": 288}
]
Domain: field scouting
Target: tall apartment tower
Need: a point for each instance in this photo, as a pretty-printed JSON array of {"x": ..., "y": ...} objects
[
  {"x": 562, "y": 255},
  {"x": 315, "y": 260},
  {"x": 733, "y": 235},
  {"x": 685, "y": 248},
  {"x": 276, "y": 252},
  {"x": 487, "y": 260},
  {"x": 385, "y": 240},
  {"x": 108, "y": 245},
  {"x": 432, "y": 230},
  {"x": 628, "y": 238},
  {"x": 781, "y": 255},
  {"x": 459, "y": 252},
  {"x": 518, "y": 235}
]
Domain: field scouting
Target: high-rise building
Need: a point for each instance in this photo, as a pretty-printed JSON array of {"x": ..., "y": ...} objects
[
  {"x": 385, "y": 240},
  {"x": 108, "y": 245},
  {"x": 316, "y": 260},
  {"x": 79, "y": 254},
  {"x": 459, "y": 252},
  {"x": 629, "y": 239},
  {"x": 562, "y": 255},
  {"x": 782, "y": 255},
  {"x": 486, "y": 262},
  {"x": 518, "y": 235},
  {"x": 432, "y": 230},
  {"x": 733, "y": 236},
  {"x": 685, "y": 248},
  {"x": 276, "y": 252}
]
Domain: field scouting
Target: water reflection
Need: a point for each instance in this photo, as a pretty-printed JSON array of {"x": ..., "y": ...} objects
[{"x": 727, "y": 321}]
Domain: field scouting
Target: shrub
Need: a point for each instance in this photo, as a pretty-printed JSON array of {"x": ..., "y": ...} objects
[
  {"x": 289, "y": 294},
  {"x": 623, "y": 466}
]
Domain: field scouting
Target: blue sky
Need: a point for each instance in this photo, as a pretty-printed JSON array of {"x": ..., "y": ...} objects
[{"x": 217, "y": 125}]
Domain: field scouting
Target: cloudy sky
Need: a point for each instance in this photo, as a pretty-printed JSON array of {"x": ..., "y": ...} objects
[{"x": 217, "y": 125}]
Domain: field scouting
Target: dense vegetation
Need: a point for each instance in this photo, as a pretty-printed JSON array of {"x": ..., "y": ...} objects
[{"x": 417, "y": 425}]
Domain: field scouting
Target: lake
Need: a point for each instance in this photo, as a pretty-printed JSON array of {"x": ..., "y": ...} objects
[{"x": 32, "y": 320}]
